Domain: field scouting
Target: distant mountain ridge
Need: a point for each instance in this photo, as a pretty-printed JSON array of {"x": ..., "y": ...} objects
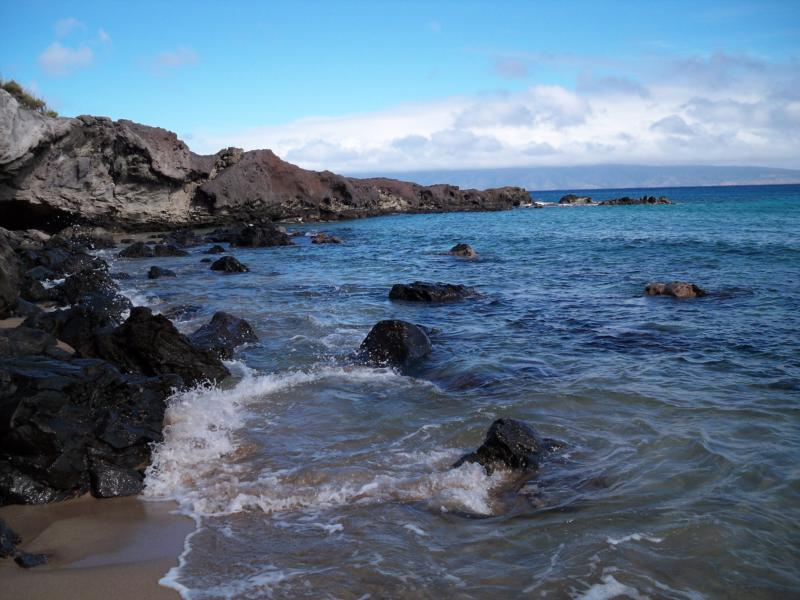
[{"x": 593, "y": 177}]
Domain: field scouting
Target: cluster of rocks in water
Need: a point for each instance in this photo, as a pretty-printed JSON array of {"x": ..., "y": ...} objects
[
  {"x": 84, "y": 385},
  {"x": 575, "y": 200}
]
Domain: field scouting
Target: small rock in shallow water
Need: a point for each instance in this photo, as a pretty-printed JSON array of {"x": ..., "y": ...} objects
[
  {"x": 324, "y": 238},
  {"x": 28, "y": 561},
  {"x": 215, "y": 249},
  {"x": 168, "y": 250},
  {"x": 509, "y": 443},
  {"x": 395, "y": 343},
  {"x": 676, "y": 289},
  {"x": 423, "y": 291},
  {"x": 156, "y": 272},
  {"x": 228, "y": 264}
]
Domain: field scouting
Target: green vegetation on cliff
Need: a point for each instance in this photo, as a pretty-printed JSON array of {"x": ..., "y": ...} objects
[{"x": 25, "y": 99}]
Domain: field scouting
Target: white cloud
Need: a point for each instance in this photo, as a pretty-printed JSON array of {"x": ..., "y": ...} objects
[
  {"x": 721, "y": 109},
  {"x": 103, "y": 36},
  {"x": 66, "y": 26},
  {"x": 62, "y": 60},
  {"x": 174, "y": 59}
]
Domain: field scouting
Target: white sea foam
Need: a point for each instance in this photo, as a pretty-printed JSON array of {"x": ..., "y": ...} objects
[
  {"x": 634, "y": 537},
  {"x": 610, "y": 588}
]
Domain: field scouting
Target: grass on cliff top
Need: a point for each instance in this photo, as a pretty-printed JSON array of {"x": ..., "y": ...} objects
[{"x": 27, "y": 100}]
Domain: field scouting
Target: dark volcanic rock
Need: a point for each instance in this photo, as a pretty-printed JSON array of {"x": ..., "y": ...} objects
[
  {"x": 222, "y": 334},
  {"x": 509, "y": 443},
  {"x": 228, "y": 264},
  {"x": 182, "y": 312},
  {"x": 424, "y": 291},
  {"x": 183, "y": 238},
  {"x": 78, "y": 325},
  {"x": 577, "y": 200},
  {"x": 463, "y": 251},
  {"x": 168, "y": 250},
  {"x": 79, "y": 285},
  {"x": 205, "y": 260},
  {"x": 8, "y": 540},
  {"x": 156, "y": 272},
  {"x": 627, "y": 201},
  {"x": 137, "y": 250},
  {"x": 22, "y": 341},
  {"x": 86, "y": 237},
  {"x": 150, "y": 344},
  {"x": 258, "y": 236},
  {"x": 324, "y": 238},
  {"x": 676, "y": 289},
  {"x": 59, "y": 420},
  {"x": 120, "y": 276},
  {"x": 395, "y": 343},
  {"x": 215, "y": 249}
]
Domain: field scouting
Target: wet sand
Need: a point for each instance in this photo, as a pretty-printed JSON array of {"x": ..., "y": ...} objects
[{"x": 112, "y": 548}]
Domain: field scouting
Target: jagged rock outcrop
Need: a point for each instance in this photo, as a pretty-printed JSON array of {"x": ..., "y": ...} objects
[{"x": 56, "y": 172}]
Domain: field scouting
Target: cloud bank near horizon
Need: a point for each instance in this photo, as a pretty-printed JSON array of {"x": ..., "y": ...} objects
[{"x": 715, "y": 109}]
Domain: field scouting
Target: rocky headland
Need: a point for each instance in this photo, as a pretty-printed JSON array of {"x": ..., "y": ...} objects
[{"x": 122, "y": 175}]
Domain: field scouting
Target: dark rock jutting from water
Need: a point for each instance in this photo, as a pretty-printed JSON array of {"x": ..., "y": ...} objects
[
  {"x": 395, "y": 343},
  {"x": 223, "y": 334},
  {"x": 463, "y": 251},
  {"x": 575, "y": 200},
  {"x": 158, "y": 272},
  {"x": 425, "y": 291},
  {"x": 676, "y": 289},
  {"x": 324, "y": 238},
  {"x": 510, "y": 444},
  {"x": 228, "y": 264},
  {"x": 627, "y": 201}
]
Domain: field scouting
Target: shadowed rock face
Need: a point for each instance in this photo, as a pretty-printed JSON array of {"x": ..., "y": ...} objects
[{"x": 55, "y": 172}]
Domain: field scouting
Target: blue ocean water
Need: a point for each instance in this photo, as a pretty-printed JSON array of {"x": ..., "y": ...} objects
[{"x": 311, "y": 477}]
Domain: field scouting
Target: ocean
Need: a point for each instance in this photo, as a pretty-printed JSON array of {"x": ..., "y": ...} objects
[{"x": 312, "y": 477}]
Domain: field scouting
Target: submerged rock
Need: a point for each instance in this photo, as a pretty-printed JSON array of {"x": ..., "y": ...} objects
[
  {"x": 395, "y": 343},
  {"x": 509, "y": 444},
  {"x": 627, "y": 201},
  {"x": 149, "y": 344},
  {"x": 156, "y": 272},
  {"x": 62, "y": 422},
  {"x": 168, "y": 250},
  {"x": 463, "y": 251},
  {"x": 676, "y": 289},
  {"x": 424, "y": 291},
  {"x": 27, "y": 560},
  {"x": 137, "y": 250},
  {"x": 222, "y": 334},
  {"x": 215, "y": 249},
  {"x": 324, "y": 238},
  {"x": 228, "y": 264}
]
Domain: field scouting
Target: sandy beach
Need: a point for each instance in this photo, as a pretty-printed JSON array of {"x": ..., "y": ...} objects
[{"x": 114, "y": 548}]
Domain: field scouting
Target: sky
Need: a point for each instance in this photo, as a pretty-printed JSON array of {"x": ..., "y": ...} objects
[{"x": 360, "y": 87}]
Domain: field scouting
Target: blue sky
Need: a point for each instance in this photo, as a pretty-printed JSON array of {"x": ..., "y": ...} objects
[{"x": 360, "y": 86}]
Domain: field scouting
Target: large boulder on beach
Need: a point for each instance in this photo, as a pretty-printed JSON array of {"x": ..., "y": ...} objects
[
  {"x": 509, "y": 444},
  {"x": 424, "y": 291},
  {"x": 151, "y": 345},
  {"x": 67, "y": 428},
  {"x": 223, "y": 334},
  {"x": 463, "y": 251},
  {"x": 395, "y": 343},
  {"x": 676, "y": 289},
  {"x": 228, "y": 264}
]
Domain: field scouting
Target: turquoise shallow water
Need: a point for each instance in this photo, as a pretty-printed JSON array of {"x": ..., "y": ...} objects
[{"x": 681, "y": 419}]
